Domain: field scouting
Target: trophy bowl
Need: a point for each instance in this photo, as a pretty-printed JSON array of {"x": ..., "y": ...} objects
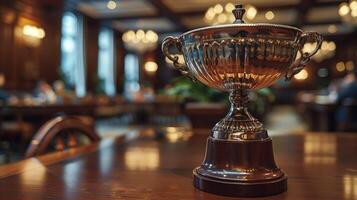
[{"x": 235, "y": 58}]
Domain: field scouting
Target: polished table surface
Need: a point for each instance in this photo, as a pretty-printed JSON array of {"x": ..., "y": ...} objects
[{"x": 319, "y": 166}]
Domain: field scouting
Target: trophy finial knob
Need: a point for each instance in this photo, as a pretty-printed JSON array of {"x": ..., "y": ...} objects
[{"x": 238, "y": 13}]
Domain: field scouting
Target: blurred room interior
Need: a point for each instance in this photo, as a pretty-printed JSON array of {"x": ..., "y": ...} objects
[
  {"x": 101, "y": 60},
  {"x": 89, "y": 104}
]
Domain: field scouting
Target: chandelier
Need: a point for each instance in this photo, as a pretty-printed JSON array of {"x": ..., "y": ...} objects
[
  {"x": 222, "y": 14},
  {"x": 140, "y": 41},
  {"x": 327, "y": 50},
  {"x": 348, "y": 12}
]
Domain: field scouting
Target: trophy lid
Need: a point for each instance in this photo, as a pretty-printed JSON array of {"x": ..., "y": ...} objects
[{"x": 238, "y": 13}]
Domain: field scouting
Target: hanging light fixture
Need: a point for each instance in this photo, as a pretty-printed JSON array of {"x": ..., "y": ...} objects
[
  {"x": 269, "y": 15},
  {"x": 111, "y": 4},
  {"x": 348, "y": 12},
  {"x": 140, "y": 41},
  {"x": 327, "y": 50},
  {"x": 222, "y": 14}
]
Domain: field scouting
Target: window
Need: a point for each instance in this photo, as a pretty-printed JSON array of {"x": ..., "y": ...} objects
[
  {"x": 72, "y": 53},
  {"x": 106, "y": 61},
  {"x": 131, "y": 74}
]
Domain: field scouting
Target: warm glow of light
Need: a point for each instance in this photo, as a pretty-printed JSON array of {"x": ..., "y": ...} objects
[
  {"x": 33, "y": 172},
  {"x": 222, "y": 18},
  {"x": 130, "y": 35},
  {"x": 2, "y": 80},
  {"x": 229, "y": 7},
  {"x": 353, "y": 5},
  {"x": 302, "y": 75},
  {"x": 308, "y": 47},
  {"x": 140, "y": 40},
  {"x": 41, "y": 33},
  {"x": 332, "y": 29},
  {"x": 175, "y": 134},
  {"x": 350, "y": 186},
  {"x": 151, "y": 36},
  {"x": 150, "y": 67},
  {"x": 328, "y": 49},
  {"x": 140, "y": 34},
  {"x": 340, "y": 66},
  {"x": 354, "y": 13},
  {"x": 320, "y": 149},
  {"x": 33, "y": 31},
  {"x": 328, "y": 46},
  {"x": 269, "y": 15},
  {"x": 210, "y": 14},
  {"x": 218, "y": 8},
  {"x": 251, "y": 12},
  {"x": 111, "y": 5},
  {"x": 222, "y": 14},
  {"x": 344, "y": 9},
  {"x": 9, "y": 17},
  {"x": 331, "y": 46},
  {"x": 349, "y": 65},
  {"x": 142, "y": 158}
]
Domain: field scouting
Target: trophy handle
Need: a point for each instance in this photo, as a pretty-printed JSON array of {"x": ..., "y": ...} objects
[
  {"x": 300, "y": 63},
  {"x": 168, "y": 41}
]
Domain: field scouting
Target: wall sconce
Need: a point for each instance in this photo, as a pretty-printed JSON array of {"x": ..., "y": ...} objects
[
  {"x": 150, "y": 67},
  {"x": 33, "y": 31},
  {"x": 33, "y": 35}
]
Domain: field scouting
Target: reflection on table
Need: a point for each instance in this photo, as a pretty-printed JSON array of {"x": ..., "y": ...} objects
[{"x": 319, "y": 166}]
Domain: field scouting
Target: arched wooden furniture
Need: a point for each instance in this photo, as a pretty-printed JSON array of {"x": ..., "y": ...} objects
[{"x": 52, "y": 131}]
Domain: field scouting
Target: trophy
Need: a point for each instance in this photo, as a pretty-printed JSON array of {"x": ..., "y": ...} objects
[{"x": 235, "y": 58}]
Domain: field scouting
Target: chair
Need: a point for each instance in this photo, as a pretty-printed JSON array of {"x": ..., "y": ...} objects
[{"x": 56, "y": 131}]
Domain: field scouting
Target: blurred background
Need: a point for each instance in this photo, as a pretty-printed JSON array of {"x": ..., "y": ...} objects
[{"x": 101, "y": 60}]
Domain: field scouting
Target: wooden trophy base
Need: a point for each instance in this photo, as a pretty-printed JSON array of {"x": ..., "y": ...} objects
[{"x": 240, "y": 169}]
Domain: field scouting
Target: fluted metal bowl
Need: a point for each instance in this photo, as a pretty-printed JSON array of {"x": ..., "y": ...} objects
[
  {"x": 241, "y": 56},
  {"x": 237, "y": 57}
]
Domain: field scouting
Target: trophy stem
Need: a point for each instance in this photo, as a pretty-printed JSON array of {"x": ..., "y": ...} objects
[{"x": 239, "y": 124}]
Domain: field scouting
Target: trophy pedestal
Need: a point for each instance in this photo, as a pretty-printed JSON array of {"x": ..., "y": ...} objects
[{"x": 240, "y": 168}]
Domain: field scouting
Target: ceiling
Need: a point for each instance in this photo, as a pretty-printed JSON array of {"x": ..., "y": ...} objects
[{"x": 165, "y": 16}]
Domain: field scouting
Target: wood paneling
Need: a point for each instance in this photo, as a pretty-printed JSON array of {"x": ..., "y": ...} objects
[
  {"x": 120, "y": 55},
  {"x": 22, "y": 64},
  {"x": 91, "y": 32}
]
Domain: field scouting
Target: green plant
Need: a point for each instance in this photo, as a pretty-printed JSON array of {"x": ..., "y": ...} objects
[{"x": 185, "y": 90}]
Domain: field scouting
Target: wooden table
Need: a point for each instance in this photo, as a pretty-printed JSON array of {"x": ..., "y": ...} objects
[{"x": 319, "y": 166}]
